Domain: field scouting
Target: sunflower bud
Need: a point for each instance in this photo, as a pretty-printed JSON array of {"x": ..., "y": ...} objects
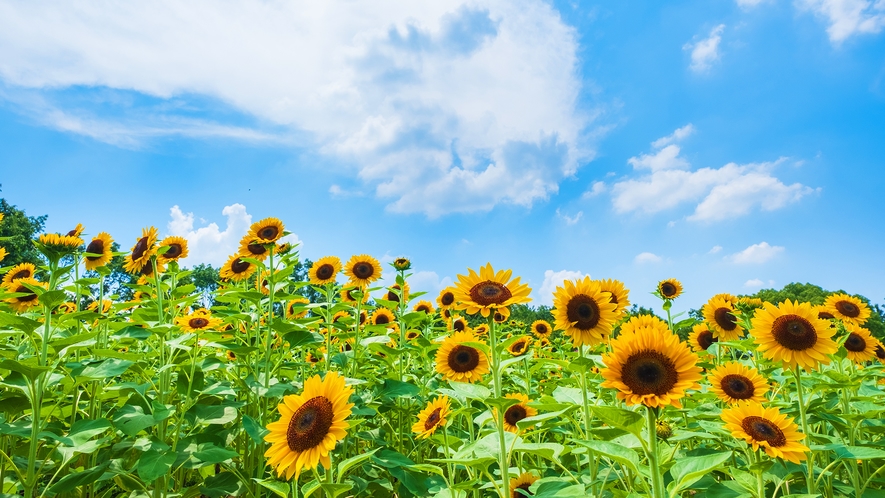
[
  {"x": 663, "y": 430},
  {"x": 402, "y": 264}
]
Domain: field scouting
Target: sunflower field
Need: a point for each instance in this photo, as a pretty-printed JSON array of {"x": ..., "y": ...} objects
[{"x": 335, "y": 386}]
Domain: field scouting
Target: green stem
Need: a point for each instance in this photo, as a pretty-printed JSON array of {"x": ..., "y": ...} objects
[
  {"x": 760, "y": 481},
  {"x": 657, "y": 480},
  {"x": 503, "y": 462},
  {"x": 810, "y": 484}
]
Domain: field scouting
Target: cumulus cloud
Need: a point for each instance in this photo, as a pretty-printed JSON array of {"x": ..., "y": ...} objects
[
  {"x": 647, "y": 257},
  {"x": 594, "y": 190},
  {"x": 444, "y": 106},
  {"x": 569, "y": 220},
  {"x": 718, "y": 193},
  {"x": 848, "y": 17},
  {"x": 756, "y": 254},
  {"x": 552, "y": 280},
  {"x": 676, "y": 136},
  {"x": 705, "y": 52}
]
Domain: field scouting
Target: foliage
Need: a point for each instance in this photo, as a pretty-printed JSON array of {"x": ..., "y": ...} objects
[{"x": 16, "y": 233}]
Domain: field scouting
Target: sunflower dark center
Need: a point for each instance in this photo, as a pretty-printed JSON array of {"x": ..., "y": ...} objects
[
  {"x": 411, "y": 335},
  {"x": 514, "y": 414},
  {"x": 523, "y": 487},
  {"x": 239, "y": 266},
  {"x": 382, "y": 320},
  {"x": 423, "y": 307},
  {"x": 268, "y": 233},
  {"x": 649, "y": 372},
  {"x": 794, "y": 332},
  {"x": 310, "y": 424},
  {"x": 541, "y": 329},
  {"x": 447, "y": 299},
  {"x": 855, "y": 343},
  {"x": 518, "y": 346},
  {"x": 725, "y": 319},
  {"x": 256, "y": 248},
  {"x": 762, "y": 429},
  {"x": 825, "y": 315},
  {"x": 583, "y": 311},
  {"x": 459, "y": 325},
  {"x": 72, "y": 233},
  {"x": 668, "y": 289},
  {"x": 363, "y": 270},
  {"x": 140, "y": 248},
  {"x": 880, "y": 352},
  {"x": 174, "y": 251},
  {"x": 363, "y": 317},
  {"x": 24, "y": 273},
  {"x": 95, "y": 247},
  {"x": 197, "y": 323},
  {"x": 432, "y": 419},
  {"x": 25, "y": 299},
  {"x": 499, "y": 318},
  {"x": 848, "y": 309},
  {"x": 463, "y": 359},
  {"x": 147, "y": 270},
  {"x": 488, "y": 292},
  {"x": 737, "y": 386},
  {"x": 325, "y": 271},
  {"x": 706, "y": 339}
]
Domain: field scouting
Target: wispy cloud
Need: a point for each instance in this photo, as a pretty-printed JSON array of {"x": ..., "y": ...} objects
[
  {"x": 594, "y": 190},
  {"x": 715, "y": 250},
  {"x": 706, "y": 51},
  {"x": 647, "y": 257},
  {"x": 847, "y": 17},
  {"x": 677, "y": 136},
  {"x": 569, "y": 220},
  {"x": 756, "y": 254},
  {"x": 756, "y": 283}
]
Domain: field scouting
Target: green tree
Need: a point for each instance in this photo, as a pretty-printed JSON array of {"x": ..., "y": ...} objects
[
  {"x": 17, "y": 231},
  {"x": 205, "y": 278}
]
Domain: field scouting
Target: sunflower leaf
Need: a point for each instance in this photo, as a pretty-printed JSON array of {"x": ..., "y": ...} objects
[
  {"x": 620, "y": 418},
  {"x": 687, "y": 471}
]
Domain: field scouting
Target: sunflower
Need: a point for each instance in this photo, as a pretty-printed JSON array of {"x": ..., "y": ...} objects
[
  {"x": 859, "y": 345},
  {"x": 142, "y": 251},
  {"x": 29, "y": 300},
  {"x": 734, "y": 382},
  {"x": 383, "y": 316},
  {"x": 670, "y": 288},
  {"x": 879, "y": 350},
  {"x": 489, "y": 290},
  {"x": 519, "y": 486},
  {"x": 292, "y": 311},
  {"x": 446, "y": 298},
  {"x": 64, "y": 244},
  {"x": 19, "y": 271},
  {"x": 362, "y": 270},
  {"x": 542, "y": 329},
  {"x": 460, "y": 362},
  {"x": 424, "y": 306},
  {"x": 792, "y": 333},
  {"x": 105, "y": 306},
  {"x": 77, "y": 231},
  {"x": 618, "y": 293},
  {"x": 394, "y": 293},
  {"x": 348, "y": 295},
  {"x": 731, "y": 298},
  {"x": 401, "y": 264},
  {"x": 767, "y": 428},
  {"x": 261, "y": 283},
  {"x": 197, "y": 321},
  {"x": 147, "y": 271},
  {"x": 236, "y": 269},
  {"x": 310, "y": 425},
  {"x": 701, "y": 338},
  {"x": 340, "y": 315},
  {"x": 501, "y": 315},
  {"x": 823, "y": 313},
  {"x": 847, "y": 308},
  {"x": 753, "y": 302},
  {"x": 98, "y": 251},
  {"x": 650, "y": 366},
  {"x": 3, "y": 253},
  {"x": 431, "y": 417},
  {"x": 364, "y": 317},
  {"x": 230, "y": 355},
  {"x": 520, "y": 346},
  {"x": 583, "y": 311},
  {"x": 251, "y": 248},
  {"x": 177, "y": 249},
  {"x": 266, "y": 231},
  {"x": 412, "y": 334},
  {"x": 517, "y": 412},
  {"x": 640, "y": 321},
  {"x": 719, "y": 313},
  {"x": 324, "y": 270},
  {"x": 481, "y": 330},
  {"x": 67, "y": 307},
  {"x": 459, "y": 324}
]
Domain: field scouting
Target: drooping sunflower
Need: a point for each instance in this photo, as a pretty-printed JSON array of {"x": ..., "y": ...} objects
[
  {"x": 424, "y": 306},
  {"x": 19, "y": 271},
  {"x": 267, "y": 231},
  {"x": 292, "y": 310},
  {"x": 583, "y": 311},
  {"x": 619, "y": 294},
  {"x": 792, "y": 333},
  {"x": 519, "y": 486},
  {"x": 432, "y": 417},
  {"x": 253, "y": 248},
  {"x": 142, "y": 251},
  {"x": 517, "y": 412},
  {"x": 735, "y": 382},
  {"x": 177, "y": 249},
  {"x": 401, "y": 264},
  {"x": 236, "y": 270},
  {"x": 98, "y": 251},
  {"x": 767, "y": 428},
  {"x": 394, "y": 292},
  {"x": 701, "y": 338},
  {"x": 847, "y": 308},
  {"x": 362, "y": 270},
  {"x": 542, "y": 329},
  {"x": 859, "y": 345},
  {"x": 29, "y": 299},
  {"x": 349, "y": 295},
  {"x": 489, "y": 290},
  {"x": 460, "y": 362},
  {"x": 383, "y": 316},
  {"x": 719, "y": 314},
  {"x": 310, "y": 425},
  {"x": 670, "y": 288},
  {"x": 198, "y": 321},
  {"x": 520, "y": 346},
  {"x": 446, "y": 298},
  {"x": 650, "y": 366},
  {"x": 324, "y": 270}
]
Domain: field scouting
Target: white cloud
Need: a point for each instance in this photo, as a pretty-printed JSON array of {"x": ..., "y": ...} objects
[
  {"x": 594, "y": 190},
  {"x": 666, "y": 158},
  {"x": 754, "y": 283},
  {"x": 756, "y": 254},
  {"x": 676, "y": 136},
  {"x": 569, "y": 220},
  {"x": 647, "y": 257},
  {"x": 754, "y": 186},
  {"x": 848, "y": 17},
  {"x": 706, "y": 51},
  {"x": 748, "y": 4},
  {"x": 444, "y": 106},
  {"x": 715, "y": 249},
  {"x": 552, "y": 280}
]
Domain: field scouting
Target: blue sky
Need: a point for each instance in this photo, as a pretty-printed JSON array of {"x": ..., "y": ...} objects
[{"x": 731, "y": 145}]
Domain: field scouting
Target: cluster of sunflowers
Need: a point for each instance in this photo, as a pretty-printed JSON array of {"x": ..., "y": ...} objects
[{"x": 546, "y": 409}]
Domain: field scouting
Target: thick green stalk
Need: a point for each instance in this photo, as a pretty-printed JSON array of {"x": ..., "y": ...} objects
[
  {"x": 503, "y": 461},
  {"x": 657, "y": 482},
  {"x": 810, "y": 484}
]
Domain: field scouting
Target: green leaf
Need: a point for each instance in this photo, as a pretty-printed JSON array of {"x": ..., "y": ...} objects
[
  {"x": 620, "y": 418},
  {"x": 53, "y": 298},
  {"x": 255, "y": 430},
  {"x": 331, "y": 490},
  {"x": 396, "y": 389},
  {"x": 530, "y": 421},
  {"x": 616, "y": 453},
  {"x": 280, "y": 489},
  {"x": 559, "y": 488},
  {"x": 853, "y": 452},
  {"x": 346, "y": 465},
  {"x": 154, "y": 463},
  {"x": 686, "y": 471},
  {"x": 223, "y": 484},
  {"x": 213, "y": 414},
  {"x": 571, "y": 395},
  {"x": 210, "y": 454},
  {"x": 71, "y": 481},
  {"x": 29, "y": 371},
  {"x": 470, "y": 391},
  {"x": 302, "y": 338},
  {"x": 549, "y": 451},
  {"x": 111, "y": 367}
]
